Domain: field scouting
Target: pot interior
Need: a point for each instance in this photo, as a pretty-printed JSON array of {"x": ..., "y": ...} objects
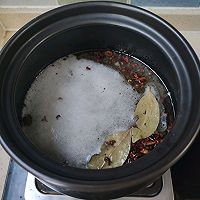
[{"x": 95, "y": 37}]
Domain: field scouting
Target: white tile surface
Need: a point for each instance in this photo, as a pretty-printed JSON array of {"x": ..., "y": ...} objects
[
  {"x": 4, "y": 160},
  {"x": 27, "y": 3},
  {"x": 193, "y": 38}
]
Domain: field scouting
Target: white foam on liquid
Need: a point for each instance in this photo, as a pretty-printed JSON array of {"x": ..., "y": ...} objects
[{"x": 94, "y": 103}]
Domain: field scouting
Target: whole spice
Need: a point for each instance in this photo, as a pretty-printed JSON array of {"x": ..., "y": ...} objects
[
  {"x": 108, "y": 53},
  {"x": 58, "y": 116},
  {"x": 125, "y": 59},
  {"x": 150, "y": 143},
  {"x": 143, "y": 146},
  {"x": 107, "y": 160},
  {"x": 110, "y": 142},
  {"x": 136, "y": 86},
  {"x": 144, "y": 151},
  {"x": 142, "y": 69},
  {"x": 65, "y": 163},
  {"x": 134, "y": 65},
  {"x": 44, "y": 119},
  {"x": 88, "y": 68}
]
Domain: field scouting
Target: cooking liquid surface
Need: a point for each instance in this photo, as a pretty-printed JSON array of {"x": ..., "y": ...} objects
[{"x": 78, "y": 100}]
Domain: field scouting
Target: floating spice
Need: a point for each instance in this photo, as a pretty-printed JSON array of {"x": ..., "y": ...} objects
[
  {"x": 110, "y": 142},
  {"x": 88, "y": 68},
  {"x": 44, "y": 119},
  {"x": 58, "y": 116},
  {"x": 148, "y": 113},
  {"x": 108, "y": 53}
]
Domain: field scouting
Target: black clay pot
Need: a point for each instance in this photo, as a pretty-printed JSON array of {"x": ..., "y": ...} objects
[{"x": 99, "y": 25}]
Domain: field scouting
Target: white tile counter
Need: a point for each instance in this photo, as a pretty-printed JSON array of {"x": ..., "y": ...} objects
[{"x": 4, "y": 160}]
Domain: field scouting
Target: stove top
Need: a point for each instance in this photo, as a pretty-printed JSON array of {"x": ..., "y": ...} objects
[
  {"x": 159, "y": 190},
  {"x": 149, "y": 191},
  {"x": 21, "y": 185}
]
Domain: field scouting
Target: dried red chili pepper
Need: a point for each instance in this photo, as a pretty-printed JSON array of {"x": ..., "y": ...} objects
[
  {"x": 110, "y": 142},
  {"x": 132, "y": 155},
  {"x": 150, "y": 143},
  {"x": 109, "y": 53},
  {"x": 134, "y": 65},
  {"x": 157, "y": 142},
  {"x": 144, "y": 151},
  {"x": 125, "y": 59},
  {"x": 142, "y": 79},
  {"x": 136, "y": 76}
]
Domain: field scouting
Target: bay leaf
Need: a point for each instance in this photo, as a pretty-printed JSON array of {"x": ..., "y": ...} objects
[
  {"x": 148, "y": 113},
  {"x": 112, "y": 155},
  {"x": 136, "y": 134}
]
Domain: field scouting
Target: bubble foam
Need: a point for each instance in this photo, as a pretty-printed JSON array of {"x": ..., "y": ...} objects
[{"x": 83, "y": 101}]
